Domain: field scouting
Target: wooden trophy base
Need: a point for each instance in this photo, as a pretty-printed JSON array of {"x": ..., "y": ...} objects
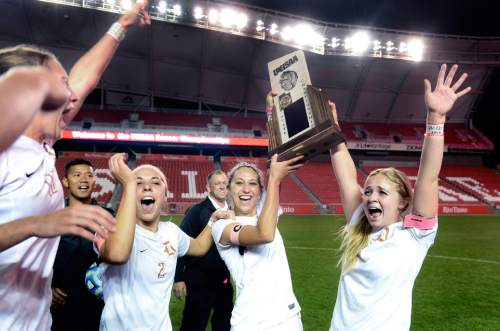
[{"x": 312, "y": 142}]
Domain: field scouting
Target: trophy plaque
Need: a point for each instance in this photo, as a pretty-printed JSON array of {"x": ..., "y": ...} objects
[{"x": 301, "y": 122}]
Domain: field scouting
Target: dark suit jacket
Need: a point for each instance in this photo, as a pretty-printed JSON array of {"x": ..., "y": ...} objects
[{"x": 206, "y": 270}]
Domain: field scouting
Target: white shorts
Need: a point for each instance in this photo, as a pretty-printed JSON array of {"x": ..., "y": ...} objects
[{"x": 294, "y": 323}]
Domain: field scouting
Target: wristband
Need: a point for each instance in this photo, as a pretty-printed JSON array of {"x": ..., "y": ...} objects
[
  {"x": 117, "y": 32},
  {"x": 434, "y": 130},
  {"x": 419, "y": 222}
]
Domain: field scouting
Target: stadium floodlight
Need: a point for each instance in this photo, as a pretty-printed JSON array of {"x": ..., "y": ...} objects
[
  {"x": 177, "y": 10},
  {"x": 359, "y": 42},
  {"x": 287, "y": 33},
  {"x": 162, "y": 7},
  {"x": 303, "y": 34},
  {"x": 227, "y": 16},
  {"x": 241, "y": 21},
  {"x": 389, "y": 46},
  {"x": 213, "y": 16},
  {"x": 416, "y": 49},
  {"x": 260, "y": 26},
  {"x": 335, "y": 42},
  {"x": 403, "y": 48},
  {"x": 126, "y": 4},
  {"x": 274, "y": 29},
  {"x": 198, "y": 13},
  {"x": 307, "y": 34}
]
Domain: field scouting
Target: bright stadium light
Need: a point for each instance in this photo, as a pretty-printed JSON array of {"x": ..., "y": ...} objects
[
  {"x": 359, "y": 42},
  {"x": 241, "y": 21},
  {"x": 126, "y": 4},
  {"x": 198, "y": 13},
  {"x": 335, "y": 42},
  {"x": 274, "y": 29},
  {"x": 213, "y": 16},
  {"x": 416, "y": 49},
  {"x": 227, "y": 17},
  {"x": 389, "y": 46},
  {"x": 310, "y": 35},
  {"x": 162, "y": 7},
  {"x": 287, "y": 33},
  {"x": 303, "y": 34},
  {"x": 177, "y": 10},
  {"x": 403, "y": 47},
  {"x": 260, "y": 26}
]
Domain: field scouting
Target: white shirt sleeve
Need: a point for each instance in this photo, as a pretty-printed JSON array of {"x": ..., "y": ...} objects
[
  {"x": 183, "y": 241},
  {"x": 425, "y": 237},
  {"x": 217, "y": 229}
]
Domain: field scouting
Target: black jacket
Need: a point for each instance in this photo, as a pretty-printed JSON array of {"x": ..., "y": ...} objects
[
  {"x": 82, "y": 310},
  {"x": 207, "y": 270}
]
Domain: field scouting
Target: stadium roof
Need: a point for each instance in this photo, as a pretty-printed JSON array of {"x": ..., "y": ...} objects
[{"x": 203, "y": 66}]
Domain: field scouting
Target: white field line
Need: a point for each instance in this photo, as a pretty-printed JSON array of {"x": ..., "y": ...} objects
[{"x": 456, "y": 258}]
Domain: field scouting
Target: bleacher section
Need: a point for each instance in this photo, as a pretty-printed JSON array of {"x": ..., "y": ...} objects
[
  {"x": 452, "y": 199},
  {"x": 457, "y": 135},
  {"x": 151, "y": 120},
  {"x": 462, "y": 190},
  {"x": 479, "y": 182}
]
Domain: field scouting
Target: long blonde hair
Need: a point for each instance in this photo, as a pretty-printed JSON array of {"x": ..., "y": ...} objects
[{"x": 355, "y": 237}]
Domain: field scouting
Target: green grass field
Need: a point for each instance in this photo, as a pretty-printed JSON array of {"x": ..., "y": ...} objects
[{"x": 458, "y": 287}]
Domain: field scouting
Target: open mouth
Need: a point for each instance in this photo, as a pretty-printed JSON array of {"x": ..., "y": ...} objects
[
  {"x": 83, "y": 187},
  {"x": 148, "y": 204},
  {"x": 374, "y": 211},
  {"x": 245, "y": 197}
]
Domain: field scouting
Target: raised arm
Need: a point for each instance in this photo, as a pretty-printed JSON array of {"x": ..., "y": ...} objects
[
  {"x": 265, "y": 229},
  {"x": 23, "y": 92},
  {"x": 439, "y": 102},
  {"x": 81, "y": 220},
  {"x": 345, "y": 172},
  {"x": 116, "y": 249},
  {"x": 87, "y": 71}
]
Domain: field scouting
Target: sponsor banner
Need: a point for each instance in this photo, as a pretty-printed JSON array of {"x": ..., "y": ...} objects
[
  {"x": 464, "y": 210},
  {"x": 299, "y": 209},
  {"x": 163, "y": 138},
  {"x": 381, "y": 146}
]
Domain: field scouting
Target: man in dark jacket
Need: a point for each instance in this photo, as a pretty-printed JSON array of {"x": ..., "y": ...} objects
[
  {"x": 74, "y": 307},
  {"x": 205, "y": 280}
]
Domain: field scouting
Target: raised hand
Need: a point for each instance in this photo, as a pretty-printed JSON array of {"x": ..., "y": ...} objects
[
  {"x": 137, "y": 14},
  {"x": 279, "y": 170},
  {"x": 120, "y": 170},
  {"x": 82, "y": 220},
  {"x": 440, "y": 101},
  {"x": 270, "y": 99},
  {"x": 222, "y": 215},
  {"x": 333, "y": 108}
]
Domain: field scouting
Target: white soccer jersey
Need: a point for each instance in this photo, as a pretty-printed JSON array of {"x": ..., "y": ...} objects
[
  {"x": 137, "y": 293},
  {"x": 377, "y": 293},
  {"x": 29, "y": 186},
  {"x": 264, "y": 293}
]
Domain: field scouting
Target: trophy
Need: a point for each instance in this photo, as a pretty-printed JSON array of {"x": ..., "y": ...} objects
[{"x": 301, "y": 122}]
